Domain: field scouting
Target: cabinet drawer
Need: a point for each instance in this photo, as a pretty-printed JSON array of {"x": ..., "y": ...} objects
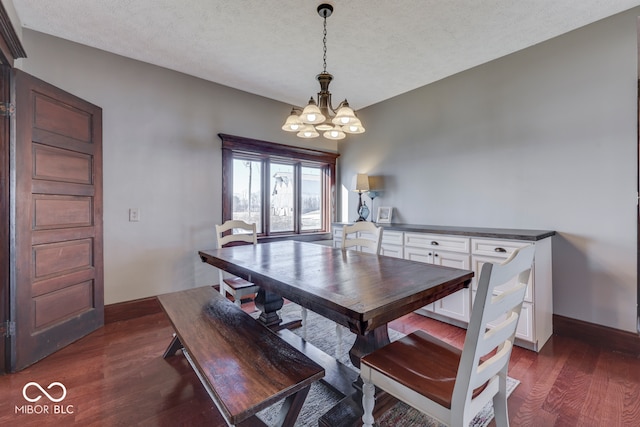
[
  {"x": 392, "y": 237},
  {"x": 496, "y": 248},
  {"x": 437, "y": 241}
]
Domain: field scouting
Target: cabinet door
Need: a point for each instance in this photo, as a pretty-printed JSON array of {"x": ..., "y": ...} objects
[
  {"x": 391, "y": 250},
  {"x": 392, "y": 242},
  {"x": 457, "y": 305},
  {"x": 337, "y": 237},
  {"x": 418, "y": 254}
]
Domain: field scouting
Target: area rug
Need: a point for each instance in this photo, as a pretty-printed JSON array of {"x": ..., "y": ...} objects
[{"x": 321, "y": 333}]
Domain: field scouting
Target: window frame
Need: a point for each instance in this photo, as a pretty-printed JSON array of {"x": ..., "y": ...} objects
[{"x": 237, "y": 147}]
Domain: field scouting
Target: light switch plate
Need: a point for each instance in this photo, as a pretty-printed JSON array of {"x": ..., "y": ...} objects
[{"x": 134, "y": 214}]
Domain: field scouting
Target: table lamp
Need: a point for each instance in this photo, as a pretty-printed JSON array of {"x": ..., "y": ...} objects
[{"x": 360, "y": 185}]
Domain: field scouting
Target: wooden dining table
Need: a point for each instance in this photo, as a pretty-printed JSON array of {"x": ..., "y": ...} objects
[{"x": 361, "y": 291}]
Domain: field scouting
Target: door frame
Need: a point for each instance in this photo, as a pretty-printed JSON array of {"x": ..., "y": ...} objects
[{"x": 10, "y": 50}]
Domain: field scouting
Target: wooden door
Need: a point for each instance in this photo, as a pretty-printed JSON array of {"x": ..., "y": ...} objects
[{"x": 57, "y": 285}]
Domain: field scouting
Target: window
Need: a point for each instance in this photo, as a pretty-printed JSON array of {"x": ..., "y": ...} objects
[{"x": 285, "y": 190}]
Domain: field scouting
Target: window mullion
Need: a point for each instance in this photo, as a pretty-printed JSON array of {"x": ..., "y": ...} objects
[
  {"x": 297, "y": 198},
  {"x": 266, "y": 195}
]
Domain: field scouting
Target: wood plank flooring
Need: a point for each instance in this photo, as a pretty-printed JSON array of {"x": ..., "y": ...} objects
[{"x": 117, "y": 377}]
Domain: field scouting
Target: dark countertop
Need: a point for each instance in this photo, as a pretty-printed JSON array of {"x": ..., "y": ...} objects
[{"x": 496, "y": 233}]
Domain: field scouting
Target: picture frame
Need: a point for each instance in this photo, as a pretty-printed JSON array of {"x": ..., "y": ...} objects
[{"x": 384, "y": 215}]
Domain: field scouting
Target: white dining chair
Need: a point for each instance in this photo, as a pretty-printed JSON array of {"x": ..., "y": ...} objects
[
  {"x": 447, "y": 383},
  {"x": 361, "y": 235},
  {"x": 236, "y": 286},
  {"x": 365, "y": 236}
]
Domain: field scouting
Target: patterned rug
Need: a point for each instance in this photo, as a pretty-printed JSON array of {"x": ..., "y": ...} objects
[{"x": 321, "y": 333}]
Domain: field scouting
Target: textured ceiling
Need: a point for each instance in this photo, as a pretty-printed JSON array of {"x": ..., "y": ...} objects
[{"x": 377, "y": 49}]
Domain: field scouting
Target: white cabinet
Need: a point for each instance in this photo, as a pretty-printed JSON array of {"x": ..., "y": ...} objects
[
  {"x": 470, "y": 252},
  {"x": 448, "y": 251}
]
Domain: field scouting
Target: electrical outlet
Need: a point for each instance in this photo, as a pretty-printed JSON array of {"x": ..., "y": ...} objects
[{"x": 134, "y": 214}]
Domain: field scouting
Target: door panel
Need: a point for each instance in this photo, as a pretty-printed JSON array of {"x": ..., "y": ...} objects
[{"x": 58, "y": 294}]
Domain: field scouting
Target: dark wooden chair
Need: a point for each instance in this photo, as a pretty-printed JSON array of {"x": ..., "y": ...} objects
[{"x": 447, "y": 383}]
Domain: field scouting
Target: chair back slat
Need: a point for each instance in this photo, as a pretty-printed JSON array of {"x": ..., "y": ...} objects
[
  {"x": 249, "y": 235},
  {"x": 490, "y": 367},
  {"x": 372, "y": 238},
  {"x": 503, "y": 313},
  {"x": 498, "y": 334}
]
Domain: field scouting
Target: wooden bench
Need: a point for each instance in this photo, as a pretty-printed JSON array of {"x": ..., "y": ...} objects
[{"x": 244, "y": 366}]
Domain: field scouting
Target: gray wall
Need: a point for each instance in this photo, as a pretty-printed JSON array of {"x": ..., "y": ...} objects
[
  {"x": 161, "y": 155},
  {"x": 543, "y": 139}
]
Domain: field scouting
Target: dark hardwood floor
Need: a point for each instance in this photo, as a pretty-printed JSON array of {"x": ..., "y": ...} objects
[{"x": 116, "y": 376}]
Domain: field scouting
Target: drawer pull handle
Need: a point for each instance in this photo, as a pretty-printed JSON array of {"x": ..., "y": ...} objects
[
  {"x": 501, "y": 250},
  {"x": 436, "y": 255},
  {"x": 434, "y": 243}
]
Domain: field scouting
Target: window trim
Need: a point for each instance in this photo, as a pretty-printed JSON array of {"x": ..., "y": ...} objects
[{"x": 271, "y": 151}]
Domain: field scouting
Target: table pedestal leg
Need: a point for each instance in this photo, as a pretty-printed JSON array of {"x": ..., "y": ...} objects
[
  {"x": 269, "y": 303},
  {"x": 368, "y": 343}
]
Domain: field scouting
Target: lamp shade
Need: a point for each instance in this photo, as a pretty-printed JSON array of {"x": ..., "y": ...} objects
[
  {"x": 308, "y": 131},
  {"x": 334, "y": 133},
  {"x": 312, "y": 114},
  {"x": 360, "y": 182},
  {"x": 355, "y": 127},
  {"x": 345, "y": 115},
  {"x": 293, "y": 123}
]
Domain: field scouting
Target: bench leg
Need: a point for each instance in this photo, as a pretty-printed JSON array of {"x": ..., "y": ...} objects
[
  {"x": 174, "y": 346},
  {"x": 291, "y": 408}
]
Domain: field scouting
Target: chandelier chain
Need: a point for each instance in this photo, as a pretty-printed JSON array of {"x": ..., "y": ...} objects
[{"x": 324, "y": 44}]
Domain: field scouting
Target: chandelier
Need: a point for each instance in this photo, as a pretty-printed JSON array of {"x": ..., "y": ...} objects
[{"x": 317, "y": 117}]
